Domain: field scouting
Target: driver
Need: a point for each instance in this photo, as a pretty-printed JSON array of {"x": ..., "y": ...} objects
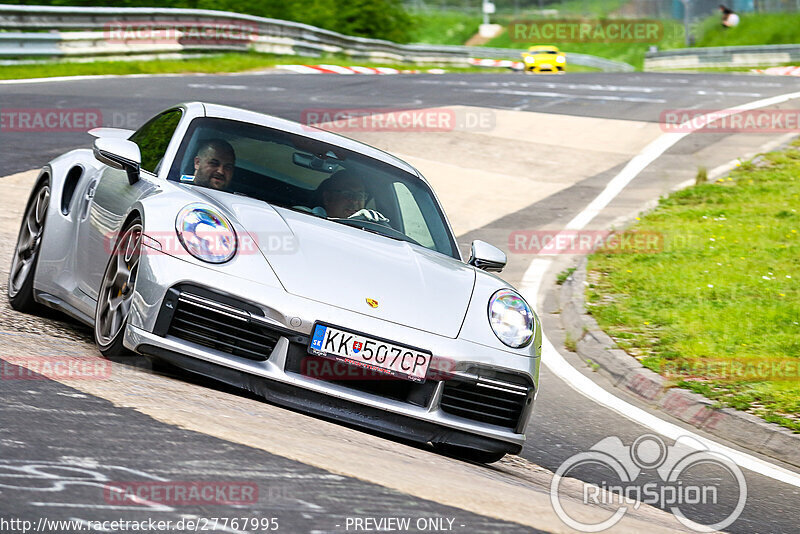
[
  {"x": 343, "y": 196},
  {"x": 213, "y": 164}
]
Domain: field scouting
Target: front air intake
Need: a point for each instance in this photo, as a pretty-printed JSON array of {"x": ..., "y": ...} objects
[
  {"x": 486, "y": 401},
  {"x": 220, "y": 327}
]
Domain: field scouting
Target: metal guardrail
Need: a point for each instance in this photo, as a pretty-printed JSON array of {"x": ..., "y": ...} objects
[
  {"x": 84, "y": 32},
  {"x": 722, "y": 56}
]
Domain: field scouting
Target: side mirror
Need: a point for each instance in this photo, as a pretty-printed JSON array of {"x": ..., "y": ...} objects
[
  {"x": 119, "y": 154},
  {"x": 487, "y": 257}
]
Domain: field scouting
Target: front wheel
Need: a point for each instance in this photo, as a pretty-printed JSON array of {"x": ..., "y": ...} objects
[
  {"x": 26, "y": 254},
  {"x": 116, "y": 291}
]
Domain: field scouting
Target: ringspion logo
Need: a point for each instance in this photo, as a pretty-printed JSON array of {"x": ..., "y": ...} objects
[{"x": 704, "y": 489}]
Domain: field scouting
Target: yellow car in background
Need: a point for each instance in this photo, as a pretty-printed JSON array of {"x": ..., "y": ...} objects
[{"x": 544, "y": 59}]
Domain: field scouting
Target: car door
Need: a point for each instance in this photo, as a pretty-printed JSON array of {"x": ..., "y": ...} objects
[{"x": 113, "y": 197}]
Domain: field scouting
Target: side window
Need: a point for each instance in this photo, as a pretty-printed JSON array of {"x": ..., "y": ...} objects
[
  {"x": 413, "y": 221},
  {"x": 154, "y": 137}
]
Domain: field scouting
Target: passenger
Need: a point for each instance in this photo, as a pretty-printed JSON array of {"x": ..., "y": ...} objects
[{"x": 213, "y": 164}]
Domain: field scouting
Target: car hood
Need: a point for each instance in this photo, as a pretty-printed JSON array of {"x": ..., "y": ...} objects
[{"x": 344, "y": 266}]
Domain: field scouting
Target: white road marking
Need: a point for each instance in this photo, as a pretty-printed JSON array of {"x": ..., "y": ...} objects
[
  {"x": 88, "y": 77},
  {"x": 723, "y": 93},
  {"x": 553, "y": 85},
  {"x": 337, "y": 69},
  {"x": 81, "y": 476},
  {"x": 545, "y": 94},
  {"x": 300, "y": 69},
  {"x": 218, "y": 86},
  {"x": 531, "y": 285}
]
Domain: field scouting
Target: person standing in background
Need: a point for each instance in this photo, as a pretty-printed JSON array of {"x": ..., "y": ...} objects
[{"x": 729, "y": 17}]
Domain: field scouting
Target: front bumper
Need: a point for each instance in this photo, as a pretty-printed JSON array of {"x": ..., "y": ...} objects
[
  {"x": 419, "y": 412},
  {"x": 545, "y": 67}
]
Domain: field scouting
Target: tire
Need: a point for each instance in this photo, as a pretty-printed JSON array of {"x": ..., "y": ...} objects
[
  {"x": 471, "y": 455},
  {"x": 26, "y": 252},
  {"x": 117, "y": 289}
]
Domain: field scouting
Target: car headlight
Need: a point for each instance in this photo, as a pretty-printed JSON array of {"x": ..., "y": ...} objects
[
  {"x": 529, "y": 59},
  {"x": 561, "y": 59},
  {"x": 206, "y": 234},
  {"x": 511, "y": 318}
]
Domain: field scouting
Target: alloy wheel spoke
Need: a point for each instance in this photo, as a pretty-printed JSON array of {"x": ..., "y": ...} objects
[
  {"x": 125, "y": 306},
  {"x": 103, "y": 322},
  {"x": 18, "y": 271},
  {"x": 115, "y": 323},
  {"x": 122, "y": 274},
  {"x": 113, "y": 304},
  {"x": 32, "y": 229},
  {"x": 26, "y": 243},
  {"x": 131, "y": 244},
  {"x": 41, "y": 205}
]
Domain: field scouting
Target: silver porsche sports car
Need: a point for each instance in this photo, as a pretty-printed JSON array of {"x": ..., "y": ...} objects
[{"x": 298, "y": 264}]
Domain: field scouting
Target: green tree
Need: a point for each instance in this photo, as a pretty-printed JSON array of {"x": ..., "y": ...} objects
[{"x": 380, "y": 19}]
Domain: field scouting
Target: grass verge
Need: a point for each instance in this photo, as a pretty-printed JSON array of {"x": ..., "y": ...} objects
[
  {"x": 444, "y": 27},
  {"x": 718, "y": 310},
  {"x": 212, "y": 64},
  {"x": 753, "y": 29}
]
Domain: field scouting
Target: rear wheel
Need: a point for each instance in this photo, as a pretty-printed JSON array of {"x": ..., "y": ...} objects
[
  {"x": 26, "y": 254},
  {"x": 116, "y": 291}
]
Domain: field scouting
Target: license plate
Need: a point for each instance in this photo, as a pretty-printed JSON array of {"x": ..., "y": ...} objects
[{"x": 381, "y": 356}]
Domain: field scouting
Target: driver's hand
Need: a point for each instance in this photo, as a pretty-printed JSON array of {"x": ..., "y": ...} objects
[{"x": 369, "y": 215}]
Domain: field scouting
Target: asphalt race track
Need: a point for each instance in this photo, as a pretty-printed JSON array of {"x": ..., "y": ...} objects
[{"x": 554, "y": 141}]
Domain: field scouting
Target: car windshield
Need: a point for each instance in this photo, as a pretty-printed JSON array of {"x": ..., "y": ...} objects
[{"x": 309, "y": 176}]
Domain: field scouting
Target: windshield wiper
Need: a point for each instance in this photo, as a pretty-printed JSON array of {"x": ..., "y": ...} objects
[{"x": 377, "y": 228}]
